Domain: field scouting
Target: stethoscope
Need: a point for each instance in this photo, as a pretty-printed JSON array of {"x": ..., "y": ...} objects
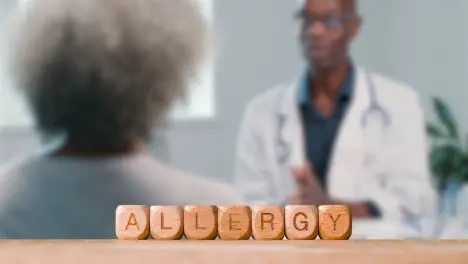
[
  {"x": 372, "y": 134},
  {"x": 374, "y": 106},
  {"x": 283, "y": 149},
  {"x": 374, "y": 109}
]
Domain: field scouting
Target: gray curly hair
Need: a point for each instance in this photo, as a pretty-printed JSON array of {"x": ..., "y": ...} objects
[{"x": 106, "y": 72}]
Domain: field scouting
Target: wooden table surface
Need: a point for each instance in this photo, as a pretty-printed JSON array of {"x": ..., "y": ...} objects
[{"x": 227, "y": 252}]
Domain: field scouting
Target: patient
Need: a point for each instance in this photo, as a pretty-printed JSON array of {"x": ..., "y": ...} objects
[{"x": 102, "y": 74}]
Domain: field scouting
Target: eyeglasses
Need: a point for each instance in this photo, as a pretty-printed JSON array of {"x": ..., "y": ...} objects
[{"x": 331, "y": 21}]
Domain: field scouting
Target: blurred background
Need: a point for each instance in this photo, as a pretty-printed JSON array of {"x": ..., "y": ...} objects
[{"x": 420, "y": 42}]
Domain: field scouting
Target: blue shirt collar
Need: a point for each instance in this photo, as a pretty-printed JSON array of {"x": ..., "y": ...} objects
[{"x": 346, "y": 88}]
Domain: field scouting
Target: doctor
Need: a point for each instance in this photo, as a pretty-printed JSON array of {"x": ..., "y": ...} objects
[{"x": 338, "y": 134}]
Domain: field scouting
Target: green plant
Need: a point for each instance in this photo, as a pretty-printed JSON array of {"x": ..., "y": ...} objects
[{"x": 448, "y": 156}]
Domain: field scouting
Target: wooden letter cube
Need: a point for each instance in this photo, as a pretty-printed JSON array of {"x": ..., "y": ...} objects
[
  {"x": 301, "y": 222},
  {"x": 335, "y": 222},
  {"x": 167, "y": 222},
  {"x": 268, "y": 222},
  {"x": 132, "y": 222},
  {"x": 234, "y": 222},
  {"x": 200, "y": 222}
]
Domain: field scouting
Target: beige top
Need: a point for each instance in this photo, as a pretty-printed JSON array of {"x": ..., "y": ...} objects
[{"x": 68, "y": 198}]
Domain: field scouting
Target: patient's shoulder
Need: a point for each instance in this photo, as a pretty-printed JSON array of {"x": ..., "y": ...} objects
[
  {"x": 161, "y": 183},
  {"x": 13, "y": 174},
  {"x": 188, "y": 188}
]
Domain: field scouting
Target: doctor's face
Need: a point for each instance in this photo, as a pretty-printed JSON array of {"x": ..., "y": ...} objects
[{"x": 327, "y": 27}]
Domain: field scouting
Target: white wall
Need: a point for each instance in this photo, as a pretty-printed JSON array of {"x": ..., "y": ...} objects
[{"x": 422, "y": 42}]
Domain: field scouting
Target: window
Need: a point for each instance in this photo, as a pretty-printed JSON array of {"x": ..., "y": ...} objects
[{"x": 199, "y": 103}]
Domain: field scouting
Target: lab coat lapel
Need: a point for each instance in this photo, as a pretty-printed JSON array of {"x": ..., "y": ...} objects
[
  {"x": 292, "y": 131},
  {"x": 346, "y": 163},
  {"x": 292, "y": 134}
]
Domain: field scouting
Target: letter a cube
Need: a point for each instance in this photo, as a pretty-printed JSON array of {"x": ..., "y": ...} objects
[{"x": 132, "y": 222}]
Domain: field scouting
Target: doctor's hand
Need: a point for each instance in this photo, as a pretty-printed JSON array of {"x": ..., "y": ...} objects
[{"x": 309, "y": 190}]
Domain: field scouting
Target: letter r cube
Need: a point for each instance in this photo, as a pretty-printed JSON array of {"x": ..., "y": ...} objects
[{"x": 268, "y": 222}]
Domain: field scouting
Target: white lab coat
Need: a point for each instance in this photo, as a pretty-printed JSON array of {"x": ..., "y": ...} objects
[{"x": 402, "y": 160}]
